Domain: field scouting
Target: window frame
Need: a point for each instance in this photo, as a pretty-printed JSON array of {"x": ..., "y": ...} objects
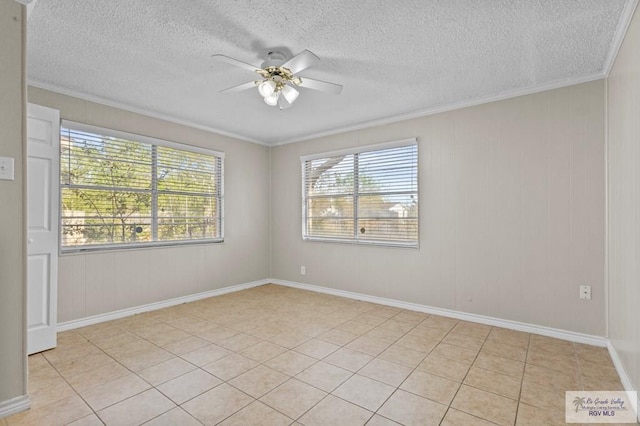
[
  {"x": 133, "y": 137},
  {"x": 354, "y": 240}
]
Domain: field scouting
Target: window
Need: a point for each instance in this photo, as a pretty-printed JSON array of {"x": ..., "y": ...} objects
[
  {"x": 123, "y": 190},
  {"x": 366, "y": 195}
]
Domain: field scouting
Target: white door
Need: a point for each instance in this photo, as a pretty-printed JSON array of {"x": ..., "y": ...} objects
[{"x": 43, "y": 170}]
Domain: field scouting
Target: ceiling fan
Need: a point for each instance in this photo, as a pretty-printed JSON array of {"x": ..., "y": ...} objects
[{"x": 279, "y": 80}]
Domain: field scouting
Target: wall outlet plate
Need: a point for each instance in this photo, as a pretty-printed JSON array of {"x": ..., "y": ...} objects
[
  {"x": 6, "y": 168},
  {"x": 585, "y": 292}
]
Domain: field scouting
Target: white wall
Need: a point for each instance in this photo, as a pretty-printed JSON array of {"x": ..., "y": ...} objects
[
  {"x": 512, "y": 207},
  {"x": 12, "y": 232},
  {"x": 95, "y": 283},
  {"x": 623, "y": 156}
]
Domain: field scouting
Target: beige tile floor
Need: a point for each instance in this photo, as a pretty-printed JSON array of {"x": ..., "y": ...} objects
[{"x": 274, "y": 355}]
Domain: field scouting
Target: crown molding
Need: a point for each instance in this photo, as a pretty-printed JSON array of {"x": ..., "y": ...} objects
[
  {"x": 449, "y": 107},
  {"x": 344, "y": 129},
  {"x": 618, "y": 37},
  {"x": 137, "y": 110}
]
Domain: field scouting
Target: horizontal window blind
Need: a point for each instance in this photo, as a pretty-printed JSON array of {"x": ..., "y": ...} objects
[
  {"x": 370, "y": 196},
  {"x": 120, "y": 190}
]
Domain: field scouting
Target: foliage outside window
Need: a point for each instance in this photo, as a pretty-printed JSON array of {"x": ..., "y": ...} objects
[
  {"x": 368, "y": 195},
  {"x": 123, "y": 190}
]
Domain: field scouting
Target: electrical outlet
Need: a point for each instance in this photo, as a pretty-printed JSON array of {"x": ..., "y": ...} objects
[
  {"x": 303, "y": 270},
  {"x": 6, "y": 168},
  {"x": 585, "y": 292}
]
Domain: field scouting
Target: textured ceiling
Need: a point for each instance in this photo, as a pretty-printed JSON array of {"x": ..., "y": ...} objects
[{"x": 394, "y": 59}]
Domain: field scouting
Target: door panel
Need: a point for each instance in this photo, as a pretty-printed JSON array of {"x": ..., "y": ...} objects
[
  {"x": 39, "y": 191},
  {"x": 43, "y": 168},
  {"x": 39, "y": 283}
]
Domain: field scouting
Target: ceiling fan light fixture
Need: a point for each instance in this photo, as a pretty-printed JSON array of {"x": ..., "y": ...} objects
[
  {"x": 272, "y": 100},
  {"x": 278, "y": 83},
  {"x": 266, "y": 88},
  {"x": 289, "y": 93}
]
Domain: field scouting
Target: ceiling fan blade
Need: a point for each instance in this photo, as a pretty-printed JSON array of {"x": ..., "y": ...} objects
[
  {"x": 324, "y": 86},
  {"x": 239, "y": 87},
  {"x": 301, "y": 61},
  {"x": 237, "y": 63}
]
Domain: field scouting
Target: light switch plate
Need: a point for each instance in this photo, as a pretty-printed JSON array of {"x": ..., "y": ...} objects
[{"x": 6, "y": 168}]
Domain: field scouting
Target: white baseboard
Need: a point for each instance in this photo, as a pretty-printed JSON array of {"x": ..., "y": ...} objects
[
  {"x": 14, "y": 405},
  {"x": 95, "y": 319},
  {"x": 624, "y": 377},
  {"x": 22, "y": 403},
  {"x": 482, "y": 319},
  {"x": 497, "y": 322}
]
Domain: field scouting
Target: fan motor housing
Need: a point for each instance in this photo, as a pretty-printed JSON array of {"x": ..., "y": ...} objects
[{"x": 274, "y": 59}]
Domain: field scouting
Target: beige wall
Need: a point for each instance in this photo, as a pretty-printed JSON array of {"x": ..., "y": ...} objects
[
  {"x": 623, "y": 156},
  {"x": 512, "y": 207},
  {"x": 12, "y": 104},
  {"x": 95, "y": 283}
]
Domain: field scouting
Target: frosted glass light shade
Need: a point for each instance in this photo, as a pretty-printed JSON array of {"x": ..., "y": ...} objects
[
  {"x": 266, "y": 88},
  {"x": 290, "y": 94},
  {"x": 272, "y": 100}
]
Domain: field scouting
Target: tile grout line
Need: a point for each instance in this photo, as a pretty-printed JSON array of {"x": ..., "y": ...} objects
[
  {"x": 522, "y": 379},
  {"x": 344, "y": 346},
  {"x": 465, "y": 376},
  {"x": 132, "y": 372},
  {"x": 271, "y": 311}
]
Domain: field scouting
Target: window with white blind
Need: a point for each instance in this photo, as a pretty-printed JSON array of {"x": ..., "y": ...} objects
[
  {"x": 122, "y": 190},
  {"x": 367, "y": 195}
]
